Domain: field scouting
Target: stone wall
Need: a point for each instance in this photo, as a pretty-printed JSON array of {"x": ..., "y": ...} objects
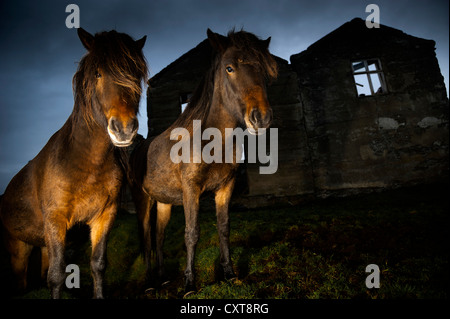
[
  {"x": 294, "y": 174},
  {"x": 382, "y": 140}
]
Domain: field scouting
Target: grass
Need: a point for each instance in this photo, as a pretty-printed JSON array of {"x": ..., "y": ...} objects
[{"x": 318, "y": 250}]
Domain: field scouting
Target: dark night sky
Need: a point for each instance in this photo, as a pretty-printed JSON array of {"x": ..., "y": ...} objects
[{"x": 39, "y": 54}]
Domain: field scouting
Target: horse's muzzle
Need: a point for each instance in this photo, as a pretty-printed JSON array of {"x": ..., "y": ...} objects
[
  {"x": 257, "y": 120},
  {"x": 122, "y": 134}
]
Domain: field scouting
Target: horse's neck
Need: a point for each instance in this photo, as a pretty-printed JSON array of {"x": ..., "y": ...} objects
[
  {"x": 219, "y": 116},
  {"x": 90, "y": 143}
]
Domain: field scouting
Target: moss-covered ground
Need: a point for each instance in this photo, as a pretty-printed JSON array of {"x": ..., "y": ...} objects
[{"x": 314, "y": 250}]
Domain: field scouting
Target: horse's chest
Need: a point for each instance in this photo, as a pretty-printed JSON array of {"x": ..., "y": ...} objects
[
  {"x": 209, "y": 177},
  {"x": 99, "y": 185},
  {"x": 84, "y": 193},
  {"x": 218, "y": 175},
  {"x": 105, "y": 182}
]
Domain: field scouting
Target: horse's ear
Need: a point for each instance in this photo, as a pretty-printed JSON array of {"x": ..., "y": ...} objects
[
  {"x": 86, "y": 38},
  {"x": 217, "y": 41},
  {"x": 266, "y": 42},
  {"x": 141, "y": 42}
]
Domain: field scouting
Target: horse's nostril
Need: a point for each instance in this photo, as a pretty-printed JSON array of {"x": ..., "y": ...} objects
[
  {"x": 269, "y": 117},
  {"x": 257, "y": 119},
  {"x": 115, "y": 125},
  {"x": 255, "y": 116}
]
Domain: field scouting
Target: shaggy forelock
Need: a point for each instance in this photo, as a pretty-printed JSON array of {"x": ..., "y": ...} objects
[
  {"x": 255, "y": 51},
  {"x": 116, "y": 54}
]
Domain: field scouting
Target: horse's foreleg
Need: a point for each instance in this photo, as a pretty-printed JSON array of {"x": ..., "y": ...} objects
[
  {"x": 55, "y": 235},
  {"x": 222, "y": 200},
  {"x": 162, "y": 219},
  {"x": 100, "y": 228},
  {"x": 191, "y": 235}
]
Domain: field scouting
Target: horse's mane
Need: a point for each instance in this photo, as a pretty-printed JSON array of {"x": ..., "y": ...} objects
[
  {"x": 256, "y": 53},
  {"x": 200, "y": 102},
  {"x": 114, "y": 53}
]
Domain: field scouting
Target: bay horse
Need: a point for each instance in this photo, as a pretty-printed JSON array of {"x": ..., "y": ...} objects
[
  {"x": 77, "y": 175},
  {"x": 232, "y": 94}
]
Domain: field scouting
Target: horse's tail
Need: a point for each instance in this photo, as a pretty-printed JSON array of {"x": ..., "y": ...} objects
[
  {"x": 122, "y": 155},
  {"x": 137, "y": 164},
  {"x": 130, "y": 160},
  {"x": 145, "y": 211}
]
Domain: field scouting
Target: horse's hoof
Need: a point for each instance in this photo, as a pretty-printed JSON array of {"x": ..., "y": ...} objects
[
  {"x": 188, "y": 294},
  {"x": 189, "y": 289},
  {"x": 231, "y": 276},
  {"x": 149, "y": 290}
]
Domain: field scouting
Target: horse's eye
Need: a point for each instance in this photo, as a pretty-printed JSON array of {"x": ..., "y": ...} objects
[
  {"x": 229, "y": 69},
  {"x": 98, "y": 75}
]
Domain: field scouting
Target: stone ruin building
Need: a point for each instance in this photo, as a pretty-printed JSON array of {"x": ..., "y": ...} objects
[{"x": 361, "y": 109}]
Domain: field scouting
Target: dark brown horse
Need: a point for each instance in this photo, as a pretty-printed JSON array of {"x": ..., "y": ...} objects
[
  {"x": 77, "y": 176},
  {"x": 232, "y": 94}
]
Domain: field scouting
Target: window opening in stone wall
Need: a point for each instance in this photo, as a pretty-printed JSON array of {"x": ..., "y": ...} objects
[
  {"x": 184, "y": 100},
  {"x": 369, "y": 77}
]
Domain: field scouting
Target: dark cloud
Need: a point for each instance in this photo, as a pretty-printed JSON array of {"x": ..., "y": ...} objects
[{"x": 39, "y": 55}]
